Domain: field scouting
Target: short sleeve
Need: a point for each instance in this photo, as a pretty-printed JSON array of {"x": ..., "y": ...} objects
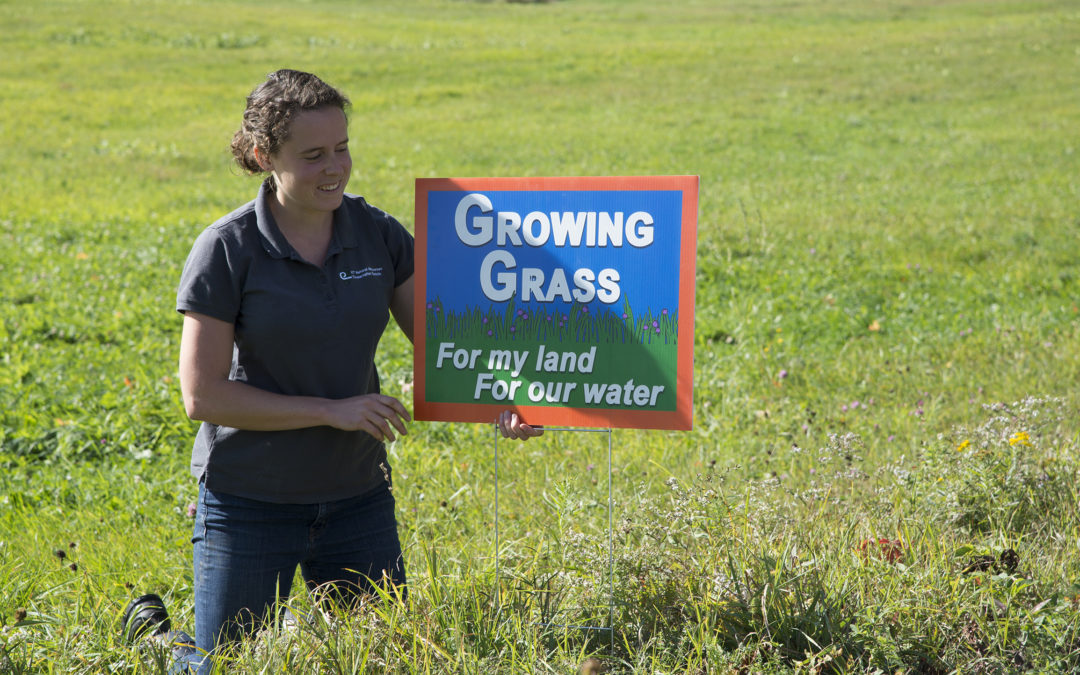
[
  {"x": 210, "y": 283},
  {"x": 399, "y": 243}
]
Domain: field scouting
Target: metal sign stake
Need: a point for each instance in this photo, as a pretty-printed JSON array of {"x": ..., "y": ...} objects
[{"x": 610, "y": 628}]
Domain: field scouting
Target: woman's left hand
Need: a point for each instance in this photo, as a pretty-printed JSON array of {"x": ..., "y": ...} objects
[{"x": 512, "y": 426}]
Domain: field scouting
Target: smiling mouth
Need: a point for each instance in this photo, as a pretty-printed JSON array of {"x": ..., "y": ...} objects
[{"x": 332, "y": 187}]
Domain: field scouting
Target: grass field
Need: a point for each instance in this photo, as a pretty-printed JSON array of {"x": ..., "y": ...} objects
[{"x": 883, "y": 472}]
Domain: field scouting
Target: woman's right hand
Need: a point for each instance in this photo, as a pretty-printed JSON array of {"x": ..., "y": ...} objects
[
  {"x": 206, "y": 349},
  {"x": 377, "y": 414}
]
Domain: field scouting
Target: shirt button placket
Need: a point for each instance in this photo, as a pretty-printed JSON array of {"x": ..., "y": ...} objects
[{"x": 328, "y": 290}]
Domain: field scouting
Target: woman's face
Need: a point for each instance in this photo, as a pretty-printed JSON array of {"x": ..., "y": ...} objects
[{"x": 312, "y": 167}]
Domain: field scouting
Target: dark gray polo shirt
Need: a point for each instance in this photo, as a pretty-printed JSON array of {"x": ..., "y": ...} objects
[{"x": 300, "y": 330}]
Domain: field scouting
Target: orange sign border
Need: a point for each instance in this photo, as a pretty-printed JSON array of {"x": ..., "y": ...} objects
[{"x": 679, "y": 419}]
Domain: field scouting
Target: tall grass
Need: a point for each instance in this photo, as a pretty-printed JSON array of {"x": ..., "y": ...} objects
[{"x": 882, "y": 471}]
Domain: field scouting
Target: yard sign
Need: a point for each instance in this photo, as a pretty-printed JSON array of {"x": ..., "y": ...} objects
[{"x": 570, "y": 300}]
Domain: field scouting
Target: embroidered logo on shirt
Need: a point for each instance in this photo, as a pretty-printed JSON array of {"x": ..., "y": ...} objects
[{"x": 360, "y": 274}]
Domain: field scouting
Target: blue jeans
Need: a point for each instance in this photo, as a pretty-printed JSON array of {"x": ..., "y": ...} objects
[{"x": 246, "y": 553}]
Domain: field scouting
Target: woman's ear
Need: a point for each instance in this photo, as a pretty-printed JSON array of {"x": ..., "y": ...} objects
[{"x": 263, "y": 160}]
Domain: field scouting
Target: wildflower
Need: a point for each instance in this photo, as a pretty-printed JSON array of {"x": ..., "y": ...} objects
[
  {"x": 60, "y": 553},
  {"x": 782, "y": 374},
  {"x": 191, "y": 508},
  {"x": 1020, "y": 438},
  {"x": 484, "y": 320},
  {"x": 490, "y": 333},
  {"x": 890, "y": 550},
  {"x": 663, "y": 312},
  {"x": 963, "y": 445}
]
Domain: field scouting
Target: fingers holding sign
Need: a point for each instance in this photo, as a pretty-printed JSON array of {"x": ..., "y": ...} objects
[{"x": 511, "y": 425}]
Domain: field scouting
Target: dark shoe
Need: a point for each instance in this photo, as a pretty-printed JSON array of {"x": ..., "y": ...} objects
[
  {"x": 181, "y": 644},
  {"x": 144, "y": 616}
]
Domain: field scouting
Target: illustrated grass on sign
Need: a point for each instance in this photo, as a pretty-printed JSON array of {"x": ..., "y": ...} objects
[{"x": 568, "y": 299}]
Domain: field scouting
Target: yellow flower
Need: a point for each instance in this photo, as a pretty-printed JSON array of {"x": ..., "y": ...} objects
[
  {"x": 1021, "y": 438},
  {"x": 963, "y": 445}
]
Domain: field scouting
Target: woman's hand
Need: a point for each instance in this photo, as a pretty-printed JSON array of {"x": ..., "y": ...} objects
[
  {"x": 512, "y": 426},
  {"x": 210, "y": 396},
  {"x": 377, "y": 414}
]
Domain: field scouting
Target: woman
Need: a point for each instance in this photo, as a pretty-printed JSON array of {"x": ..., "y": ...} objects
[{"x": 284, "y": 301}]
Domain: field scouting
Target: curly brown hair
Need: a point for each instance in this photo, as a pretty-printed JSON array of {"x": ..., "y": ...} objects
[{"x": 271, "y": 109}]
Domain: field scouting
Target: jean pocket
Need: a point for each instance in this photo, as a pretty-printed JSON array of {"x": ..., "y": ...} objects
[{"x": 198, "y": 532}]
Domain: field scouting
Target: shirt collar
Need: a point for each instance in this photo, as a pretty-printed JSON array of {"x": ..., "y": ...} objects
[
  {"x": 344, "y": 231},
  {"x": 274, "y": 241}
]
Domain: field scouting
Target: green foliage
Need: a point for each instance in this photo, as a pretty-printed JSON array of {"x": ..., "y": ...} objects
[{"x": 886, "y": 252}]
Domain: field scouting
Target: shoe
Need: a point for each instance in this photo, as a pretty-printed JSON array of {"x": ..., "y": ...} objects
[
  {"x": 144, "y": 616},
  {"x": 181, "y": 644}
]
